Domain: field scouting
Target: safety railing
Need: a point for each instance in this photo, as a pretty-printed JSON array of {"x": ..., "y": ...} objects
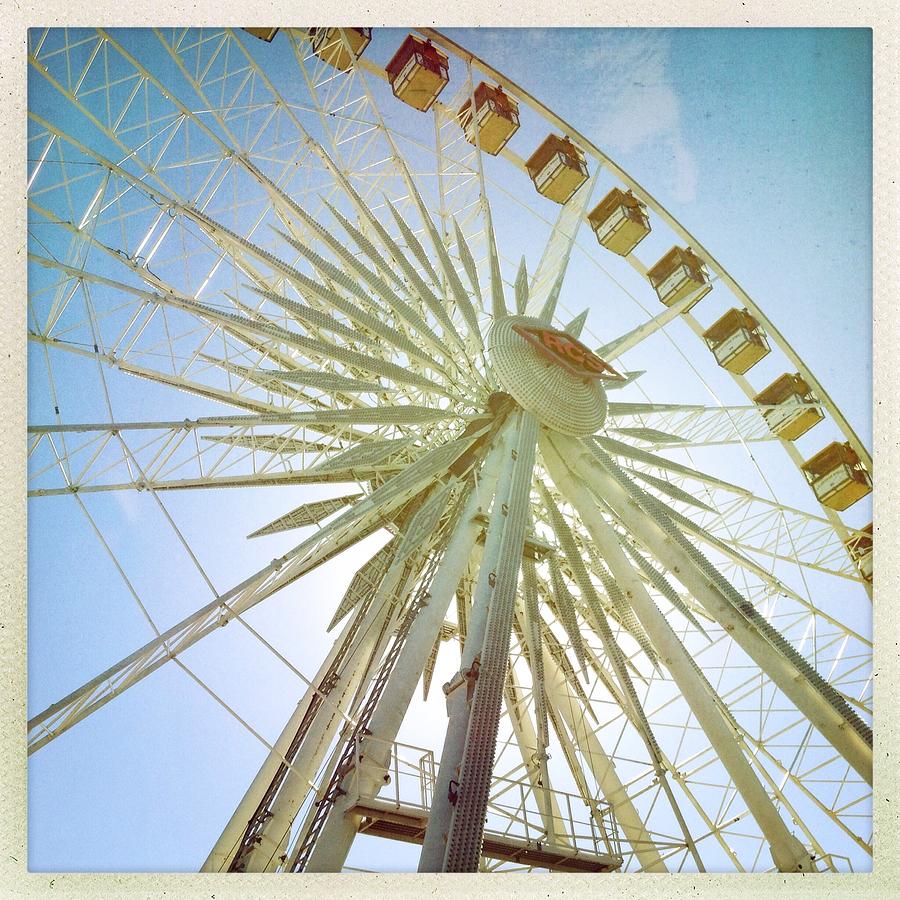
[{"x": 517, "y": 809}]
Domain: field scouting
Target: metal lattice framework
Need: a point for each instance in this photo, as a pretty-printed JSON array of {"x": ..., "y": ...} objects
[{"x": 656, "y": 622}]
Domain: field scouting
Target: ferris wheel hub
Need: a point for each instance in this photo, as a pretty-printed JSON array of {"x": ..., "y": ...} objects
[{"x": 549, "y": 373}]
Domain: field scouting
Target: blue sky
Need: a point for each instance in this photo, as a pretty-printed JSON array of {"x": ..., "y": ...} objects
[{"x": 758, "y": 141}]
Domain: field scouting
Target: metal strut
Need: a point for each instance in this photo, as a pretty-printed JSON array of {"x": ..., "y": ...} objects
[
  {"x": 348, "y": 756},
  {"x": 662, "y": 515},
  {"x": 256, "y": 825},
  {"x": 466, "y": 833}
]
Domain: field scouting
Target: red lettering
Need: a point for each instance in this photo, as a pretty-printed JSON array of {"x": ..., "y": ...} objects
[
  {"x": 570, "y": 353},
  {"x": 554, "y": 341},
  {"x": 575, "y": 353}
]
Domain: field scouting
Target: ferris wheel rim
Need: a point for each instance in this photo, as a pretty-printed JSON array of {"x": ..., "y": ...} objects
[
  {"x": 643, "y": 194},
  {"x": 842, "y": 530},
  {"x": 598, "y": 152}
]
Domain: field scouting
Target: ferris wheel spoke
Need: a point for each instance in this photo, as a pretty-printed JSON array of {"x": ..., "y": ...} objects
[
  {"x": 567, "y": 715},
  {"x": 171, "y": 459},
  {"x": 300, "y": 342},
  {"x": 565, "y": 606},
  {"x": 535, "y": 761},
  {"x": 468, "y": 260},
  {"x": 793, "y": 675},
  {"x": 671, "y": 490},
  {"x": 529, "y": 626},
  {"x": 623, "y": 611},
  {"x": 447, "y": 268},
  {"x": 546, "y": 283},
  {"x": 639, "y": 455},
  {"x": 328, "y": 382},
  {"x": 521, "y": 288},
  {"x": 629, "y": 701},
  {"x": 613, "y": 349},
  {"x": 596, "y": 615},
  {"x": 289, "y": 384},
  {"x": 575, "y": 325},
  {"x": 405, "y": 267},
  {"x": 787, "y": 852},
  {"x": 402, "y": 308},
  {"x": 659, "y": 581},
  {"x": 166, "y": 456},
  {"x": 229, "y": 397},
  {"x": 398, "y": 306},
  {"x": 306, "y": 514},
  {"x": 700, "y": 426},
  {"x": 558, "y": 650},
  {"x": 410, "y": 238},
  {"x": 318, "y": 319},
  {"x": 365, "y": 580},
  {"x": 315, "y": 349},
  {"x": 498, "y": 298}
]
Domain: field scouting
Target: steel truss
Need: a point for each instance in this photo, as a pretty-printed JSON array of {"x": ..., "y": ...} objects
[{"x": 657, "y": 669}]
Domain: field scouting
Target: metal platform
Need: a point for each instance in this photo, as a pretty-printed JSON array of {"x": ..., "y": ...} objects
[
  {"x": 515, "y": 831},
  {"x": 407, "y": 823}
]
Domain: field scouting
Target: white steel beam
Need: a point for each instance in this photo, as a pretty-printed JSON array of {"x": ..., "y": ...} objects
[
  {"x": 788, "y": 853},
  {"x": 600, "y": 765},
  {"x": 356, "y": 669},
  {"x": 434, "y": 843},
  {"x": 337, "y": 835},
  {"x": 466, "y": 830},
  {"x": 783, "y": 671}
]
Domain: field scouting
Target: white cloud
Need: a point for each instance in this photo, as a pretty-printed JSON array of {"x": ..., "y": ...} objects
[
  {"x": 625, "y": 73},
  {"x": 637, "y": 103},
  {"x": 685, "y": 173}
]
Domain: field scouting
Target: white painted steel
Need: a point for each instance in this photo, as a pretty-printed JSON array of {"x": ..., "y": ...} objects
[
  {"x": 338, "y": 834},
  {"x": 787, "y": 852},
  {"x": 390, "y": 342}
]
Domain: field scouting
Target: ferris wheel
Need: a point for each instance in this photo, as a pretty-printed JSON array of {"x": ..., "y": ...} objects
[{"x": 591, "y": 602}]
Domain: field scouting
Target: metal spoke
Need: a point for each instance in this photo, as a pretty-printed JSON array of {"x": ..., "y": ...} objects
[{"x": 252, "y": 263}]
